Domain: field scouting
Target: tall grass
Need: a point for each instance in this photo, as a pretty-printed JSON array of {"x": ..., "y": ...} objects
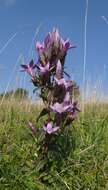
[{"x": 84, "y": 167}]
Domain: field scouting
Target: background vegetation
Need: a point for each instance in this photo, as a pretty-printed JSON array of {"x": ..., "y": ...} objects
[{"x": 81, "y": 165}]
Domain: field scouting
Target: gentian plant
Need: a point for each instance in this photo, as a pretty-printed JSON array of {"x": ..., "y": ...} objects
[{"x": 48, "y": 75}]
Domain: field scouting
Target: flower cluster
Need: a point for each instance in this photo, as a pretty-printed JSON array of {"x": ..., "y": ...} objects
[{"x": 48, "y": 75}]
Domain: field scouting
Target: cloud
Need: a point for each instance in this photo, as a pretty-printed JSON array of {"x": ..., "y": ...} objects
[{"x": 8, "y": 2}]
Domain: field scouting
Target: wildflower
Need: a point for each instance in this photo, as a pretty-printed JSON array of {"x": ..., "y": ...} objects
[
  {"x": 29, "y": 68},
  {"x": 72, "y": 115},
  {"x": 55, "y": 38},
  {"x": 60, "y": 108},
  {"x": 31, "y": 126},
  {"x": 67, "y": 99},
  {"x": 44, "y": 69},
  {"x": 53, "y": 48},
  {"x": 48, "y": 40},
  {"x": 66, "y": 45},
  {"x": 63, "y": 107},
  {"x": 63, "y": 82},
  {"x": 39, "y": 47},
  {"x": 55, "y": 91},
  {"x": 58, "y": 70},
  {"x": 48, "y": 128}
]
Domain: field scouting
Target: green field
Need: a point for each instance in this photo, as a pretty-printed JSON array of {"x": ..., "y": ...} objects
[{"x": 83, "y": 164}]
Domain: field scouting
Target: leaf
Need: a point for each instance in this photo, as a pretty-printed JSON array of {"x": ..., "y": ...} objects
[
  {"x": 41, "y": 165},
  {"x": 43, "y": 112}
]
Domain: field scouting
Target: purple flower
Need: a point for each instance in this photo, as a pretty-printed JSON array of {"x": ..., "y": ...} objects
[
  {"x": 48, "y": 40},
  {"x": 60, "y": 108},
  {"x": 67, "y": 45},
  {"x": 48, "y": 128},
  {"x": 32, "y": 128},
  {"x": 44, "y": 69},
  {"x": 58, "y": 70},
  {"x": 62, "y": 82},
  {"x": 63, "y": 107},
  {"x": 75, "y": 109},
  {"x": 55, "y": 37},
  {"x": 40, "y": 47},
  {"x": 53, "y": 48},
  {"x": 29, "y": 68},
  {"x": 67, "y": 100}
]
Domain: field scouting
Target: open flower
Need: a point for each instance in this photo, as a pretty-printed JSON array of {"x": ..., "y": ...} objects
[
  {"x": 60, "y": 82},
  {"x": 63, "y": 107},
  {"x": 44, "y": 69},
  {"x": 48, "y": 128},
  {"x": 29, "y": 68},
  {"x": 68, "y": 85},
  {"x": 60, "y": 108},
  {"x": 66, "y": 45}
]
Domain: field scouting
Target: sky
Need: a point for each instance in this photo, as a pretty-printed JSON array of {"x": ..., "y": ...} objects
[{"x": 23, "y": 22}]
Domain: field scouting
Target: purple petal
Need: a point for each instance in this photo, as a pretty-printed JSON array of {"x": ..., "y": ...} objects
[
  {"x": 67, "y": 99},
  {"x": 61, "y": 108},
  {"x": 31, "y": 126},
  {"x": 57, "y": 108},
  {"x": 48, "y": 128},
  {"x": 59, "y": 69},
  {"x": 37, "y": 65},
  {"x": 24, "y": 66},
  {"x": 47, "y": 66},
  {"x": 31, "y": 64},
  {"x": 47, "y": 40},
  {"x": 34, "y": 66},
  {"x": 49, "y": 131},
  {"x": 49, "y": 125},
  {"x": 55, "y": 35},
  {"x": 55, "y": 129},
  {"x": 67, "y": 45},
  {"x": 44, "y": 69},
  {"x": 39, "y": 47},
  {"x": 60, "y": 81},
  {"x": 45, "y": 127},
  {"x": 67, "y": 108}
]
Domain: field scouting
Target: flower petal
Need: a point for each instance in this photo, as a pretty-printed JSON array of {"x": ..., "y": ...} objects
[
  {"x": 31, "y": 63},
  {"x": 24, "y": 66},
  {"x": 31, "y": 126}
]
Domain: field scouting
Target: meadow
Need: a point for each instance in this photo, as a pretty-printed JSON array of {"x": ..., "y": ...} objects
[
  {"x": 82, "y": 165},
  {"x": 57, "y": 143}
]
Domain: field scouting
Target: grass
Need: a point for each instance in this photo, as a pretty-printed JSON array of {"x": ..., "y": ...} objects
[{"x": 83, "y": 167}]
